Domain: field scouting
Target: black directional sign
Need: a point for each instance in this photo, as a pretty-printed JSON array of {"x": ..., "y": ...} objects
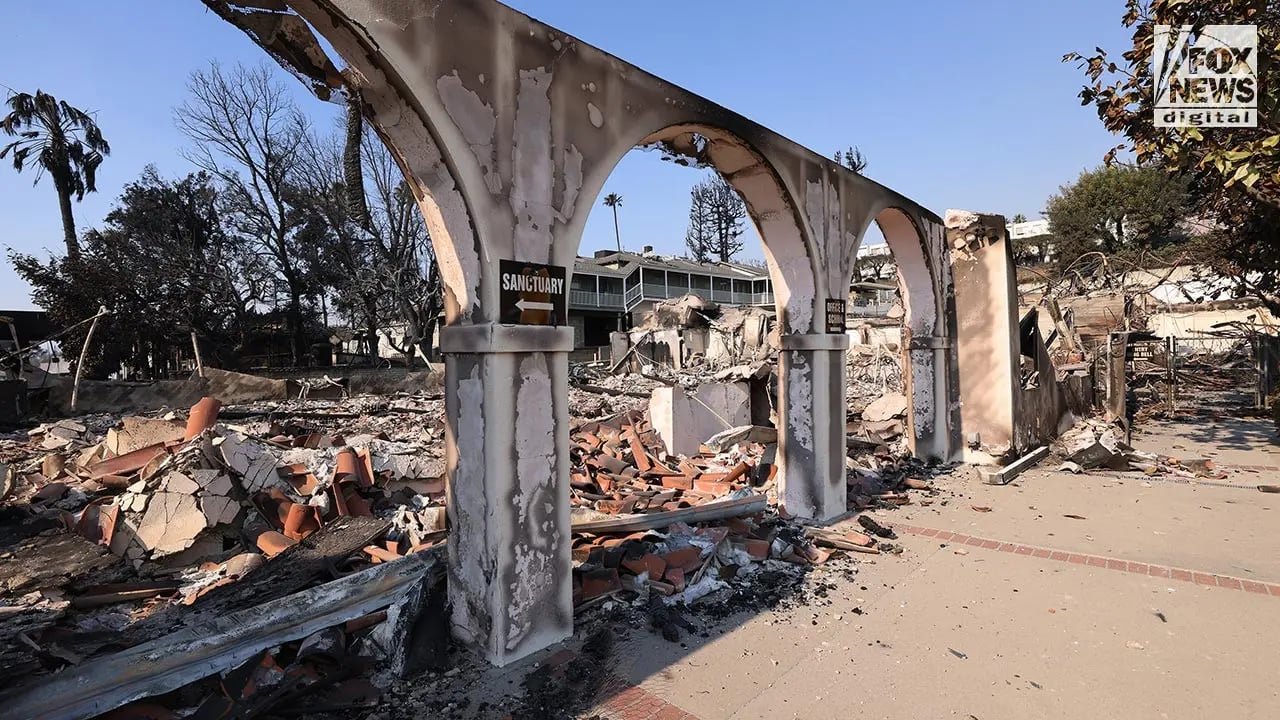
[
  {"x": 533, "y": 294},
  {"x": 835, "y": 316}
]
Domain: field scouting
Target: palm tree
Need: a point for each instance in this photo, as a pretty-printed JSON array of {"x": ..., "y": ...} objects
[
  {"x": 60, "y": 140},
  {"x": 613, "y": 200},
  {"x": 1019, "y": 218}
]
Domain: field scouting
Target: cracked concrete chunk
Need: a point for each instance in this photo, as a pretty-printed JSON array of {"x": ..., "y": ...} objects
[
  {"x": 254, "y": 464},
  {"x": 887, "y": 407},
  {"x": 136, "y": 433},
  {"x": 171, "y": 523},
  {"x": 213, "y": 481},
  {"x": 218, "y": 510},
  {"x": 177, "y": 482}
]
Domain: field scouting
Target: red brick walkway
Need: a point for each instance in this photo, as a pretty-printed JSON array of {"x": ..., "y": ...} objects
[{"x": 1106, "y": 563}]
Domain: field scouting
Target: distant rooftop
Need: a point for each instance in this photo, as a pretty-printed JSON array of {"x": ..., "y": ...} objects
[
  {"x": 621, "y": 264},
  {"x": 1030, "y": 228}
]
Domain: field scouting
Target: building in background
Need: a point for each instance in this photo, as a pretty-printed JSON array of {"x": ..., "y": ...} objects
[{"x": 612, "y": 290}]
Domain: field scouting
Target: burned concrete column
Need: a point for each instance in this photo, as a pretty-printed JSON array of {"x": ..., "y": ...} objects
[
  {"x": 811, "y": 446},
  {"x": 987, "y": 342},
  {"x": 509, "y": 561}
]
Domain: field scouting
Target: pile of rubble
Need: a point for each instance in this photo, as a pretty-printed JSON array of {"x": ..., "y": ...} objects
[
  {"x": 648, "y": 523},
  {"x": 116, "y": 533},
  {"x": 595, "y": 393},
  {"x": 625, "y": 488},
  {"x": 1094, "y": 444},
  {"x": 126, "y": 536},
  {"x": 872, "y": 371},
  {"x": 876, "y": 406},
  {"x": 683, "y": 339}
]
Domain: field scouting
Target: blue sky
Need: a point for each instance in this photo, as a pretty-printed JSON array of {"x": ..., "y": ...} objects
[{"x": 955, "y": 104}]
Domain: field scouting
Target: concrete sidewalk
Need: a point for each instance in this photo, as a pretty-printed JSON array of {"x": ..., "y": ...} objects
[{"x": 1015, "y": 613}]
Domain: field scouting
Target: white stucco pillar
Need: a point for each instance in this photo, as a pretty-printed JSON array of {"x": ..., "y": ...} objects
[
  {"x": 987, "y": 341},
  {"x": 811, "y": 448},
  {"x": 506, "y": 393}
]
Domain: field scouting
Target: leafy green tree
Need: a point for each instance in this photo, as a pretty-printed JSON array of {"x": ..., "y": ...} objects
[
  {"x": 1114, "y": 208},
  {"x": 1232, "y": 173},
  {"x": 60, "y": 140},
  {"x": 1240, "y": 160},
  {"x": 163, "y": 266}
]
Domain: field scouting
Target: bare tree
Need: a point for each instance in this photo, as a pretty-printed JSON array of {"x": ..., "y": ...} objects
[
  {"x": 249, "y": 135},
  {"x": 852, "y": 158},
  {"x": 716, "y": 216},
  {"x": 339, "y": 231},
  {"x": 377, "y": 256},
  {"x": 699, "y": 238},
  {"x": 407, "y": 271}
]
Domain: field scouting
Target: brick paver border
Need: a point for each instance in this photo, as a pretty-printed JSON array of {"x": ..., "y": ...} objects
[
  {"x": 622, "y": 700},
  {"x": 1106, "y": 563}
]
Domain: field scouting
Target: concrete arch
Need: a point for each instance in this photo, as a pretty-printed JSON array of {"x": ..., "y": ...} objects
[
  {"x": 770, "y": 205},
  {"x": 811, "y": 444},
  {"x": 504, "y": 127},
  {"x": 916, "y": 241}
]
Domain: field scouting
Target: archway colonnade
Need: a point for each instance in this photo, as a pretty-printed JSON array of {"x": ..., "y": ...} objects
[{"x": 507, "y": 130}]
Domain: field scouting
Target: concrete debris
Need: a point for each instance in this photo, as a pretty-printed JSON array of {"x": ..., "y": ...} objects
[
  {"x": 872, "y": 371},
  {"x": 1094, "y": 444},
  {"x": 1091, "y": 445},
  {"x": 140, "y": 524},
  {"x": 136, "y": 433},
  {"x": 683, "y": 419},
  {"x": 1005, "y": 475},
  {"x": 887, "y": 407},
  {"x": 721, "y": 441},
  {"x": 661, "y": 529},
  {"x": 683, "y": 312},
  {"x": 621, "y": 467},
  {"x": 691, "y": 336},
  {"x": 97, "y": 506},
  {"x": 247, "y": 653}
]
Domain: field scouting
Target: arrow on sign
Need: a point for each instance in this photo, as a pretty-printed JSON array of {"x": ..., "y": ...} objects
[{"x": 532, "y": 305}]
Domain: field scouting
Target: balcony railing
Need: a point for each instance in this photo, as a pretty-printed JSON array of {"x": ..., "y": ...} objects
[
  {"x": 591, "y": 299},
  {"x": 868, "y": 309},
  {"x": 649, "y": 291}
]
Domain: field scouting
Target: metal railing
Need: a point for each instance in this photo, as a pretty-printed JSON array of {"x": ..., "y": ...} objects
[
  {"x": 592, "y": 299},
  {"x": 649, "y": 291},
  {"x": 868, "y": 309},
  {"x": 632, "y": 296}
]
